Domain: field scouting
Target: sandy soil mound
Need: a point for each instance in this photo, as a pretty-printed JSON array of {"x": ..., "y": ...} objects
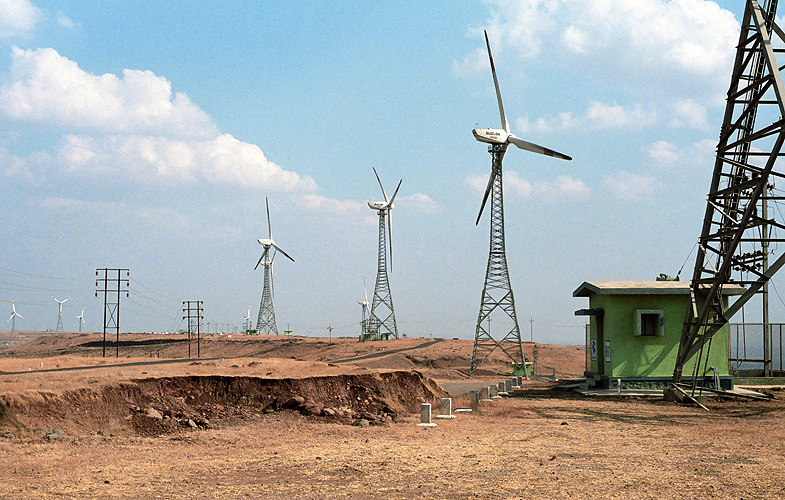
[
  {"x": 436, "y": 358},
  {"x": 155, "y": 406}
]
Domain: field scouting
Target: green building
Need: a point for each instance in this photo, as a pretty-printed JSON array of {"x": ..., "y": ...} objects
[{"x": 635, "y": 330}]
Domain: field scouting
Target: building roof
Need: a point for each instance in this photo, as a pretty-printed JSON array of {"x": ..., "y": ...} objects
[{"x": 643, "y": 288}]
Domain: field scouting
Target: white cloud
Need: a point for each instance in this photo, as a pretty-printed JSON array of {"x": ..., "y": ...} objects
[
  {"x": 564, "y": 187},
  {"x": 17, "y": 17},
  {"x": 156, "y": 218},
  {"x": 47, "y": 88},
  {"x": 598, "y": 116},
  {"x": 575, "y": 40},
  {"x": 666, "y": 154},
  {"x": 318, "y": 203},
  {"x": 629, "y": 186},
  {"x": 419, "y": 202},
  {"x": 648, "y": 41},
  {"x": 223, "y": 160},
  {"x": 688, "y": 113},
  {"x": 133, "y": 127},
  {"x": 65, "y": 21}
]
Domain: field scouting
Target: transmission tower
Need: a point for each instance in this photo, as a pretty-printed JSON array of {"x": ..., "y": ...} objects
[
  {"x": 109, "y": 282},
  {"x": 192, "y": 310},
  {"x": 737, "y": 230},
  {"x": 497, "y": 291}
]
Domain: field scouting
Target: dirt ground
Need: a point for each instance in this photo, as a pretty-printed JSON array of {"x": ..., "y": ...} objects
[{"x": 234, "y": 428}]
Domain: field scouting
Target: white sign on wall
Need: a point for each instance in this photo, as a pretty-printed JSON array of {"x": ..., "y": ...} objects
[
  {"x": 593, "y": 349},
  {"x": 607, "y": 351}
]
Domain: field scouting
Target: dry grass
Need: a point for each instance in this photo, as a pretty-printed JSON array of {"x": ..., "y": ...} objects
[{"x": 521, "y": 448}]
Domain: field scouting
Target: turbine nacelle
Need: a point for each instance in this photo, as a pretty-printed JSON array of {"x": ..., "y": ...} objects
[
  {"x": 380, "y": 205},
  {"x": 491, "y": 135},
  {"x": 266, "y": 242}
]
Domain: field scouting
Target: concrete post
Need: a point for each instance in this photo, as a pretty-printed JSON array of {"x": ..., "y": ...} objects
[
  {"x": 507, "y": 385},
  {"x": 485, "y": 394},
  {"x": 425, "y": 416},
  {"x": 618, "y": 386},
  {"x": 494, "y": 391},
  {"x": 474, "y": 397},
  {"x": 520, "y": 381},
  {"x": 445, "y": 411}
]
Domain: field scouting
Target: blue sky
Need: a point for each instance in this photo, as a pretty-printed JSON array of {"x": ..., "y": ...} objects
[{"x": 147, "y": 136}]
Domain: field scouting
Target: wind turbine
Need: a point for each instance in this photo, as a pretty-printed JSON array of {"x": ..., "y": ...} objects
[
  {"x": 382, "y": 311},
  {"x": 247, "y": 321},
  {"x": 364, "y": 323},
  {"x": 59, "y": 327},
  {"x": 497, "y": 291},
  {"x": 81, "y": 320},
  {"x": 265, "y": 323},
  {"x": 12, "y": 319}
]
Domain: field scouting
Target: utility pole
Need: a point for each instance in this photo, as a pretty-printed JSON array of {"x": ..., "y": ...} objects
[
  {"x": 109, "y": 282},
  {"x": 192, "y": 309},
  {"x": 330, "y": 329}
]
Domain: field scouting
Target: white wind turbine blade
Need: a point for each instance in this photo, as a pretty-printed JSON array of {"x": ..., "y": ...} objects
[
  {"x": 264, "y": 254},
  {"x": 284, "y": 253},
  {"x": 485, "y": 196},
  {"x": 272, "y": 277},
  {"x": 389, "y": 232},
  {"x": 269, "y": 227},
  {"x": 534, "y": 148},
  {"x": 390, "y": 203},
  {"x": 365, "y": 289},
  {"x": 380, "y": 183},
  {"x": 505, "y": 125}
]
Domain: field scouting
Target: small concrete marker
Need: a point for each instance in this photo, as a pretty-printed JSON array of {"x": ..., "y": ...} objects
[
  {"x": 485, "y": 394},
  {"x": 445, "y": 410},
  {"x": 494, "y": 392},
  {"x": 502, "y": 390},
  {"x": 520, "y": 381},
  {"x": 425, "y": 416}
]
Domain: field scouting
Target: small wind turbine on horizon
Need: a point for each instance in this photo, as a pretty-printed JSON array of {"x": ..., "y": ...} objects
[
  {"x": 12, "y": 319},
  {"x": 81, "y": 321},
  {"x": 364, "y": 323},
  {"x": 266, "y": 320},
  {"x": 59, "y": 327},
  {"x": 382, "y": 297},
  {"x": 497, "y": 291},
  {"x": 247, "y": 320}
]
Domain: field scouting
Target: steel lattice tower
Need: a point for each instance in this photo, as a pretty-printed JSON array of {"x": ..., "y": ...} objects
[
  {"x": 736, "y": 228},
  {"x": 497, "y": 291},
  {"x": 265, "y": 323},
  {"x": 382, "y": 311}
]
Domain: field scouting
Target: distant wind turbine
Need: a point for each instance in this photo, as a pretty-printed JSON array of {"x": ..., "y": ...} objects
[
  {"x": 81, "y": 320},
  {"x": 59, "y": 327},
  {"x": 12, "y": 319}
]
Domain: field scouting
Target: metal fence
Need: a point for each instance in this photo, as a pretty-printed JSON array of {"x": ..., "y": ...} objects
[{"x": 750, "y": 349}]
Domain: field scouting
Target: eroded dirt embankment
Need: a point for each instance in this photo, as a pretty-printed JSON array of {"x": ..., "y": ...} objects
[{"x": 154, "y": 406}]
